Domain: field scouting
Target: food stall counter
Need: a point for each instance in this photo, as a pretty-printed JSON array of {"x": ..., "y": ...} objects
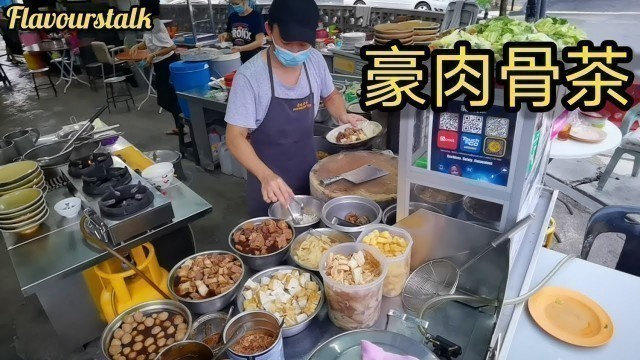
[{"x": 616, "y": 292}]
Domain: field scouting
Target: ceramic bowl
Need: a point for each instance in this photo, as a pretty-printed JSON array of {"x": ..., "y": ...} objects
[
  {"x": 29, "y": 226},
  {"x": 16, "y": 172},
  {"x": 19, "y": 200},
  {"x": 35, "y": 183},
  {"x": 159, "y": 174},
  {"x": 398, "y": 36},
  {"x": 21, "y": 183},
  {"x": 68, "y": 207},
  {"x": 34, "y": 212}
]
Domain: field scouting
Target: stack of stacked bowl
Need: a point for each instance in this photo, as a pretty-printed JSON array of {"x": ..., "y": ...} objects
[
  {"x": 384, "y": 33},
  {"x": 349, "y": 40},
  {"x": 424, "y": 32},
  {"x": 22, "y": 211},
  {"x": 21, "y": 175}
]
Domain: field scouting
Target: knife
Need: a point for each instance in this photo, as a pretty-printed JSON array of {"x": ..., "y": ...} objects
[{"x": 358, "y": 176}]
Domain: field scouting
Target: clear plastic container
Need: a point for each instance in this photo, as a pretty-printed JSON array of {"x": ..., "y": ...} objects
[
  {"x": 398, "y": 267},
  {"x": 353, "y": 307}
]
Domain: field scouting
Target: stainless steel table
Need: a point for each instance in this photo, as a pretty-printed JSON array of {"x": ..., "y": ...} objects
[{"x": 50, "y": 262}]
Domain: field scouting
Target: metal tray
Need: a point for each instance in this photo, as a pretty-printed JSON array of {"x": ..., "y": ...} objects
[{"x": 346, "y": 346}]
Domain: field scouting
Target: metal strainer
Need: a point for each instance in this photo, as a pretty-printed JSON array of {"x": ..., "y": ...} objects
[{"x": 440, "y": 277}]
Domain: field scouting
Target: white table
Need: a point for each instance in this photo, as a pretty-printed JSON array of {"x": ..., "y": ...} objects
[
  {"x": 571, "y": 149},
  {"x": 616, "y": 292}
]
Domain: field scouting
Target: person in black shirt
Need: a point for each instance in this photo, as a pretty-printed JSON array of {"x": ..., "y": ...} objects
[{"x": 245, "y": 29}]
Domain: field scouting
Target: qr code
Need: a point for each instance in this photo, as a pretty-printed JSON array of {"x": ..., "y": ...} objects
[
  {"x": 472, "y": 124},
  {"x": 449, "y": 121},
  {"x": 498, "y": 127}
]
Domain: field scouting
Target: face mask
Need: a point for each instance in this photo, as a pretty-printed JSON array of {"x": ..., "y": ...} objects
[
  {"x": 291, "y": 59},
  {"x": 238, "y": 8}
]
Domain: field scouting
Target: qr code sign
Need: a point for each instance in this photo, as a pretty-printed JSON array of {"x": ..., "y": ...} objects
[
  {"x": 497, "y": 127},
  {"x": 472, "y": 124},
  {"x": 449, "y": 121}
]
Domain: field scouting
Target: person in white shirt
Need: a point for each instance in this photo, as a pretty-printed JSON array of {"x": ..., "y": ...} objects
[{"x": 161, "y": 54}]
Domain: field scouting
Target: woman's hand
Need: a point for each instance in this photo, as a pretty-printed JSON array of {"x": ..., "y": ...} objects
[
  {"x": 149, "y": 59},
  {"x": 236, "y": 49},
  {"x": 222, "y": 37},
  {"x": 353, "y": 119},
  {"x": 275, "y": 189},
  {"x": 134, "y": 50}
]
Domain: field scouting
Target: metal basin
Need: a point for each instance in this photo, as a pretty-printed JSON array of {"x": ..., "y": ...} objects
[
  {"x": 332, "y": 233},
  {"x": 389, "y": 214},
  {"x": 85, "y": 148},
  {"x": 49, "y": 154},
  {"x": 451, "y": 207},
  {"x": 311, "y": 206},
  {"x": 261, "y": 262},
  {"x": 340, "y": 207},
  {"x": 208, "y": 305},
  {"x": 481, "y": 212},
  {"x": 287, "y": 331},
  {"x": 192, "y": 350}
]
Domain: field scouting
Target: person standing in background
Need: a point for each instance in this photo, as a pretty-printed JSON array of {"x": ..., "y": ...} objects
[{"x": 245, "y": 29}]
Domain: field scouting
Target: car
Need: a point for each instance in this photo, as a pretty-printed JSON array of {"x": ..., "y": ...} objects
[{"x": 425, "y": 5}]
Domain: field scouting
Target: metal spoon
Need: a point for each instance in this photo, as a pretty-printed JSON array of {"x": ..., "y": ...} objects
[{"x": 230, "y": 343}]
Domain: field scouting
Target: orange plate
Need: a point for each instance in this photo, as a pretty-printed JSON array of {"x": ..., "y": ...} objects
[{"x": 571, "y": 317}]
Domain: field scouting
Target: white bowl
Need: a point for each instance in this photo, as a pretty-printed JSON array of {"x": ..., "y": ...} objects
[
  {"x": 371, "y": 129},
  {"x": 68, "y": 207},
  {"x": 163, "y": 181},
  {"x": 157, "y": 170}
]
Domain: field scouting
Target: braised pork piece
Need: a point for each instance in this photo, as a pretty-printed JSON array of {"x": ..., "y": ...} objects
[
  {"x": 264, "y": 238},
  {"x": 207, "y": 276}
]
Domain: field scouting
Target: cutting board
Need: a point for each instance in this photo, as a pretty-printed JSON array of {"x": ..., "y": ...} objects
[{"x": 382, "y": 190}]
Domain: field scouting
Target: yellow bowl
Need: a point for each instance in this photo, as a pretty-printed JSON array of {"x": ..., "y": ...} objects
[
  {"x": 35, "y": 183},
  {"x": 32, "y": 226},
  {"x": 36, "y": 206},
  {"x": 23, "y": 220},
  {"x": 21, "y": 183},
  {"x": 15, "y": 172},
  {"x": 18, "y": 200}
]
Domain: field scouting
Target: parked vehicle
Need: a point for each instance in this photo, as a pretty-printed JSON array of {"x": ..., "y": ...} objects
[{"x": 425, "y": 5}]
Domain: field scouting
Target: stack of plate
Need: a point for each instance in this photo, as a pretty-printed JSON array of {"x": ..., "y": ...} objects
[
  {"x": 21, "y": 175},
  {"x": 384, "y": 33},
  {"x": 22, "y": 211},
  {"x": 349, "y": 40}
]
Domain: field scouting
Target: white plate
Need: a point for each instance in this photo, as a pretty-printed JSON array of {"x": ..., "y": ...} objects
[{"x": 370, "y": 128}]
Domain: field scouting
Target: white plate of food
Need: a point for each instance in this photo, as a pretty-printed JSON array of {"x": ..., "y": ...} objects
[{"x": 347, "y": 135}]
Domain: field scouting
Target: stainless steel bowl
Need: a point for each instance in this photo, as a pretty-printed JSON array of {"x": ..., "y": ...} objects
[
  {"x": 208, "y": 305},
  {"x": 311, "y": 205},
  {"x": 190, "y": 349},
  {"x": 255, "y": 320},
  {"x": 207, "y": 325},
  {"x": 49, "y": 154},
  {"x": 261, "y": 262},
  {"x": 389, "y": 214},
  {"x": 146, "y": 308},
  {"x": 334, "y": 234},
  {"x": 451, "y": 208},
  {"x": 287, "y": 331},
  {"x": 85, "y": 148},
  {"x": 490, "y": 218},
  {"x": 341, "y": 206}
]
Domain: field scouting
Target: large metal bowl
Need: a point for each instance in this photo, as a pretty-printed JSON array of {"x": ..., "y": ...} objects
[
  {"x": 261, "y": 262},
  {"x": 49, "y": 154},
  {"x": 332, "y": 233},
  {"x": 190, "y": 349},
  {"x": 389, "y": 214},
  {"x": 84, "y": 147},
  {"x": 287, "y": 331},
  {"x": 341, "y": 206},
  {"x": 211, "y": 304},
  {"x": 145, "y": 308},
  {"x": 489, "y": 218},
  {"x": 207, "y": 325},
  {"x": 311, "y": 205}
]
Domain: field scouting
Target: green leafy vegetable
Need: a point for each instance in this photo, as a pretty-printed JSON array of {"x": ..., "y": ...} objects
[{"x": 561, "y": 31}]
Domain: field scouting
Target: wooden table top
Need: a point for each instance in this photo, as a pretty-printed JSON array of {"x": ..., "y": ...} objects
[
  {"x": 47, "y": 46},
  {"x": 139, "y": 56}
]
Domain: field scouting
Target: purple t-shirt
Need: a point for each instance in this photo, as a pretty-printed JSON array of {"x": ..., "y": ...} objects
[{"x": 251, "y": 91}]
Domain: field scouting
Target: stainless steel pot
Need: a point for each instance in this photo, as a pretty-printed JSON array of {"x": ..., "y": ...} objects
[
  {"x": 208, "y": 305},
  {"x": 389, "y": 214},
  {"x": 149, "y": 307},
  {"x": 84, "y": 147},
  {"x": 287, "y": 331},
  {"x": 311, "y": 206},
  {"x": 451, "y": 208},
  {"x": 50, "y": 154},
  {"x": 255, "y": 320},
  {"x": 261, "y": 262},
  {"x": 332, "y": 233},
  {"x": 341, "y": 206},
  {"x": 190, "y": 349},
  {"x": 490, "y": 217},
  {"x": 171, "y": 156}
]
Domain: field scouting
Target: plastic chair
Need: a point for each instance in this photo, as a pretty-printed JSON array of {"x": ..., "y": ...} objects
[
  {"x": 106, "y": 55},
  {"x": 627, "y": 146},
  {"x": 615, "y": 219}
]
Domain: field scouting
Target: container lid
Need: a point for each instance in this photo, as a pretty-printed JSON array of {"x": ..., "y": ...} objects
[{"x": 184, "y": 66}]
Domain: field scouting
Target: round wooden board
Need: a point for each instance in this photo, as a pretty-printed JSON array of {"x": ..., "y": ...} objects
[{"x": 382, "y": 190}]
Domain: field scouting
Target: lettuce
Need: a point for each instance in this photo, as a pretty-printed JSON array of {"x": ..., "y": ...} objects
[{"x": 561, "y": 31}]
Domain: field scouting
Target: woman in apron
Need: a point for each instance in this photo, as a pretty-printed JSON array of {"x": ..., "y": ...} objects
[
  {"x": 161, "y": 54},
  {"x": 274, "y": 100}
]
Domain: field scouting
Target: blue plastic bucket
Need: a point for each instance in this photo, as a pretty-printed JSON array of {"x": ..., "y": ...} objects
[
  {"x": 186, "y": 76},
  {"x": 224, "y": 64}
]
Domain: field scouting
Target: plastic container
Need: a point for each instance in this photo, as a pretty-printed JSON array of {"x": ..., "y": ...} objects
[
  {"x": 215, "y": 140},
  {"x": 224, "y": 64},
  {"x": 186, "y": 76},
  {"x": 353, "y": 307},
  {"x": 226, "y": 159},
  {"x": 398, "y": 267}
]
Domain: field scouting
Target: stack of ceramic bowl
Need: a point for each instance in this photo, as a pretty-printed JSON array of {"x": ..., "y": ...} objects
[
  {"x": 425, "y": 32},
  {"x": 22, "y": 211},
  {"x": 349, "y": 40},
  {"x": 384, "y": 33},
  {"x": 21, "y": 175}
]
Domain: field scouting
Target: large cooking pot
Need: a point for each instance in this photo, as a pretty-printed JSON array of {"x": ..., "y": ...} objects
[{"x": 50, "y": 154}]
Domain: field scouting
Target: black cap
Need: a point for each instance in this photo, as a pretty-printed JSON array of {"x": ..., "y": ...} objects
[{"x": 297, "y": 20}]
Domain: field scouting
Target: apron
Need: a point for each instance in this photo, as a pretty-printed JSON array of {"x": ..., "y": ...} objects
[
  {"x": 284, "y": 142},
  {"x": 167, "y": 98}
]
